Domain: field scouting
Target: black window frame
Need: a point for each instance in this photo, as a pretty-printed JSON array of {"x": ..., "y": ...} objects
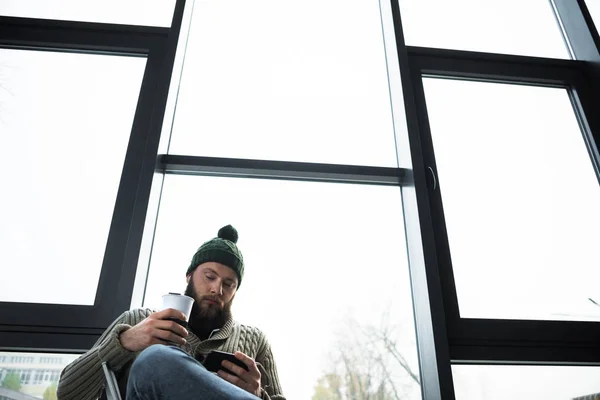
[
  {"x": 505, "y": 341},
  {"x": 56, "y": 327}
]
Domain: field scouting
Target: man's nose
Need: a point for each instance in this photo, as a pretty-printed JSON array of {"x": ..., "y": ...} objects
[{"x": 217, "y": 288}]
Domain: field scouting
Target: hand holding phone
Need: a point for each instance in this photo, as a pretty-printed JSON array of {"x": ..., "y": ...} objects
[
  {"x": 214, "y": 359},
  {"x": 246, "y": 375}
]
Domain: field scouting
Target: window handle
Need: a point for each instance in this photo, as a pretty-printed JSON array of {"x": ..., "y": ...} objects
[{"x": 433, "y": 177}]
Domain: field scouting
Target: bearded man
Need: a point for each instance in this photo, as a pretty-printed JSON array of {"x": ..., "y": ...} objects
[{"x": 154, "y": 357}]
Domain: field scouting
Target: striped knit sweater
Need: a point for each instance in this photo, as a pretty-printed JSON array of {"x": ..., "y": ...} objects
[{"x": 83, "y": 379}]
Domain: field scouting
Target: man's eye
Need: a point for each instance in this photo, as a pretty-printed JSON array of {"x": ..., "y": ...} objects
[{"x": 210, "y": 277}]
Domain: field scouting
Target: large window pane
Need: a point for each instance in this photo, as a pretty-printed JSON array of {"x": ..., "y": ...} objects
[
  {"x": 65, "y": 122},
  {"x": 32, "y": 374},
  {"x": 328, "y": 259},
  {"x": 594, "y": 9},
  {"x": 521, "y": 200},
  {"x": 495, "y": 382},
  {"x": 509, "y": 27},
  {"x": 294, "y": 81},
  {"x": 130, "y": 12}
]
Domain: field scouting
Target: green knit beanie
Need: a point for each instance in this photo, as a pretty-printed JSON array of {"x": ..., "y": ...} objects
[{"x": 222, "y": 249}]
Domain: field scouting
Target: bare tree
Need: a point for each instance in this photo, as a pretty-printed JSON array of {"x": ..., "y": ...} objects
[{"x": 367, "y": 364}]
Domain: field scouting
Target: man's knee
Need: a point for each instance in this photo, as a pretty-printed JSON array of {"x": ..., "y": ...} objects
[{"x": 155, "y": 360}]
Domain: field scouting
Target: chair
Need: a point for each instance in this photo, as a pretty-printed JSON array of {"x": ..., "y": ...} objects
[{"x": 112, "y": 387}]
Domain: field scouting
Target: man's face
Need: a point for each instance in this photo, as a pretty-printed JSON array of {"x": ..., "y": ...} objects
[{"x": 213, "y": 287}]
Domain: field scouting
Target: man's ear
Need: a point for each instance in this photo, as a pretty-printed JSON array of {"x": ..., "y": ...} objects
[{"x": 187, "y": 278}]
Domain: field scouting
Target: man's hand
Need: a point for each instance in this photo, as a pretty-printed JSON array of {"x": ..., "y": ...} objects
[
  {"x": 156, "y": 329},
  {"x": 247, "y": 380}
]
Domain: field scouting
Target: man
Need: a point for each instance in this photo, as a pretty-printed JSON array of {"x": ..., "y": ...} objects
[{"x": 154, "y": 357}]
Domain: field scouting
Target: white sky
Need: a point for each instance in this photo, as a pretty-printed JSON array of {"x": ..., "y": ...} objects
[
  {"x": 492, "y": 382},
  {"x": 520, "y": 200},
  {"x": 287, "y": 88},
  {"x": 305, "y": 82},
  {"x": 56, "y": 210},
  {"x": 521, "y": 27},
  {"x": 132, "y": 12},
  {"x": 594, "y": 8}
]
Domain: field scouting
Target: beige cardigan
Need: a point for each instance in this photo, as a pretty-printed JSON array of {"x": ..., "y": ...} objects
[{"x": 83, "y": 379}]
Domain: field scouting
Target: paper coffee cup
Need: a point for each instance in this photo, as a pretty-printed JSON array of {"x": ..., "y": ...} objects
[{"x": 179, "y": 302}]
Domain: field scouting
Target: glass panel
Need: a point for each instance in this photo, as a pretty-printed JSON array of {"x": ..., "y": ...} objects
[
  {"x": 129, "y": 12},
  {"x": 494, "y": 382},
  {"x": 33, "y": 374},
  {"x": 509, "y": 27},
  {"x": 594, "y": 9},
  {"x": 258, "y": 83},
  {"x": 66, "y": 121},
  {"x": 521, "y": 200},
  {"x": 327, "y": 257}
]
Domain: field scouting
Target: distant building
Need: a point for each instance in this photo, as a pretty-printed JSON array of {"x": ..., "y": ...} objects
[{"x": 37, "y": 371}]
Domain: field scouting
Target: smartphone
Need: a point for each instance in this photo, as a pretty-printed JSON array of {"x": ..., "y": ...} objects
[{"x": 213, "y": 361}]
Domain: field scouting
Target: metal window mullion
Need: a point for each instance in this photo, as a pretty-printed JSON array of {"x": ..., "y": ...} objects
[
  {"x": 161, "y": 59},
  {"x": 578, "y": 29},
  {"x": 582, "y": 36},
  {"x": 128, "y": 202},
  {"x": 430, "y": 319},
  {"x": 78, "y": 36},
  {"x": 27, "y": 340},
  {"x": 496, "y": 68},
  {"x": 282, "y": 170}
]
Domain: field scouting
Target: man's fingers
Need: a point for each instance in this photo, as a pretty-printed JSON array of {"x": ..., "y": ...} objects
[
  {"x": 232, "y": 379},
  {"x": 237, "y": 370},
  {"x": 250, "y": 363},
  {"x": 169, "y": 313},
  {"x": 168, "y": 336},
  {"x": 252, "y": 386},
  {"x": 171, "y": 326}
]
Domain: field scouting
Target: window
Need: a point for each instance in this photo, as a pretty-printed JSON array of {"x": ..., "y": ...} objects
[
  {"x": 50, "y": 360},
  {"x": 495, "y": 382},
  {"x": 520, "y": 199},
  {"x": 508, "y": 27},
  {"x": 134, "y": 12},
  {"x": 333, "y": 254},
  {"x": 25, "y": 374},
  {"x": 38, "y": 377},
  {"x": 594, "y": 9},
  {"x": 313, "y": 95},
  {"x": 65, "y": 128},
  {"x": 27, "y": 378},
  {"x": 510, "y": 195}
]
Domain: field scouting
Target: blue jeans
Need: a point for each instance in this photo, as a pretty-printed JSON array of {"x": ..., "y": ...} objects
[{"x": 167, "y": 372}]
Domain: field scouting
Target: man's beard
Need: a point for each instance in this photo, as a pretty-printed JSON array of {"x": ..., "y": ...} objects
[{"x": 204, "y": 320}]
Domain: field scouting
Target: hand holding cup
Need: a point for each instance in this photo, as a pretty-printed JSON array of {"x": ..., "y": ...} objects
[{"x": 167, "y": 326}]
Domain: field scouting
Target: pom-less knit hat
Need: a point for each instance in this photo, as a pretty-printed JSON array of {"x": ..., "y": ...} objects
[{"x": 222, "y": 249}]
